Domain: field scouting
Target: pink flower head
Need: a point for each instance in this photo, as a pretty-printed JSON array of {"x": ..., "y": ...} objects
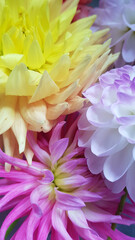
[
  {"x": 108, "y": 128},
  {"x": 120, "y": 18},
  {"x": 57, "y": 192}
]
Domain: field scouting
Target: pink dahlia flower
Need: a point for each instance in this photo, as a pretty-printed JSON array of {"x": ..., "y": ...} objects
[
  {"x": 57, "y": 192},
  {"x": 107, "y": 128},
  {"x": 119, "y": 16}
]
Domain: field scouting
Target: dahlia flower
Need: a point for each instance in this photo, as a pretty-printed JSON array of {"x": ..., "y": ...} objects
[
  {"x": 120, "y": 18},
  {"x": 57, "y": 192},
  {"x": 107, "y": 128},
  {"x": 46, "y": 61}
]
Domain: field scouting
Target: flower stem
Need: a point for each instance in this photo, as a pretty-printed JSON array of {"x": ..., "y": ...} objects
[{"x": 120, "y": 209}]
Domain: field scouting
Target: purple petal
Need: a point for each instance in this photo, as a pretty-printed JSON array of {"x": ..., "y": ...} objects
[
  {"x": 128, "y": 132},
  {"x": 117, "y": 164},
  {"x": 94, "y": 93}
]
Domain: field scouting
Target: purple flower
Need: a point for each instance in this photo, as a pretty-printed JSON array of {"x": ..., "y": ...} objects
[
  {"x": 57, "y": 192},
  {"x": 120, "y": 18},
  {"x": 107, "y": 128}
]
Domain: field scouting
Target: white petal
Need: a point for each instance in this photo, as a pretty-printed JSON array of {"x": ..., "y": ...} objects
[{"x": 116, "y": 165}]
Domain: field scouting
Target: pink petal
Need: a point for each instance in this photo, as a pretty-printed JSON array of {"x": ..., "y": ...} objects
[
  {"x": 67, "y": 201},
  {"x": 77, "y": 217},
  {"x": 33, "y": 221},
  {"x": 57, "y": 149},
  {"x": 56, "y": 134},
  {"x": 96, "y": 214},
  {"x": 44, "y": 227},
  {"x": 17, "y": 212},
  {"x": 42, "y": 155},
  {"x": 59, "y": 222}
]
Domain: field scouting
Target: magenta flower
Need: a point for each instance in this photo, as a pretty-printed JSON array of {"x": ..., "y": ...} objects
[
  {"x": 57, "y": 192},
  {"x": 120, "y": 18},
  {"x": 108, "y": 128}
]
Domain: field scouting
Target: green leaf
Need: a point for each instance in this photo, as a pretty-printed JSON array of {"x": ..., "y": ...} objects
[{"x": 11, "y": 227}]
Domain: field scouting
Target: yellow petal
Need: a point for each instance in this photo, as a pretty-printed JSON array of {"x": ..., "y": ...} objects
[
  {"x": 3, "y": 80},
  {"x": 45, "y": 88},
  {"x": 7, "y": 112},
  {"x": 21, "y": 81},
  {"x": 10, "y": 60},
  {"x": 19, "y": 129},
  {"x": 61, "y": 70},
  {"x": 55, "y": 111},
  {"x": 35, "y": 58}
]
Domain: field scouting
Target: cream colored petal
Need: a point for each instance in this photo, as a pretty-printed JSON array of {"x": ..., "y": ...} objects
[
  {"x": 28, "y": 153},
  {"x": 62, "y": 95},
  {"x": 74, "y": 105},
  {"x": 77, "y": 72},
  {"x": 45, "y": 88},
  {"x": 69, "y": 4},
  {"x": 35, "y": 115},
  {"x": 9, "y": 146},
  {"x": 7, "y": 112},
  {"x": 19, "y": 129},
  {"x": 55, "y": 111}
]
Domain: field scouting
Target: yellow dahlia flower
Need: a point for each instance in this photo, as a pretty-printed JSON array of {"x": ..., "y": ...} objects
[{"x": 46, "y": 61}]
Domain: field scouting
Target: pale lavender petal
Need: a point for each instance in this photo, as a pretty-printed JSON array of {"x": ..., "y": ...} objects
[
  {"x": 117, "y": 164},
  {"x": 109, "y": 95},
  {"x": 94, "y": 93},
  {"x": 128, "y": 50},
  {"x": 107, "y": 141},
  {"x": 95, "y": 164},
  {"x": 130, "y": 181},
  {"x": 83, "y": 123},
  {"x": 99, "y": 116},
  {"x": 84, "y": 139},
  {"x": 117, "y": 186},
  {"x": 128, "y": 132}
]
